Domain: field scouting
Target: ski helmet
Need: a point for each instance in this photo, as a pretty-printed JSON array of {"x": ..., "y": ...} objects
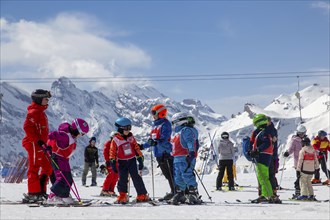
[
  {"x": 39, "y": 94},
  {"x": 182, "y": 118},
  {"x": 322, "y": 133},
  {"x": 260, "y": 120},
  {"x": 123, "y": 124},
  {"x": 224, "y": 135},
  {"x": 301, "y": 130},
  {"x": 80, "y": 125},
  {"x": 306, "y": 141},
  {"x": 160, "y": 110}
]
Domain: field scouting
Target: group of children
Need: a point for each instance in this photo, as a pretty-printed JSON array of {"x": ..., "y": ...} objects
[{"x": 49, "y": 154}]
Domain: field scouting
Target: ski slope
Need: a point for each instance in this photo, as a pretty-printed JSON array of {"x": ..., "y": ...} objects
[{"x": 219, "y": 210}]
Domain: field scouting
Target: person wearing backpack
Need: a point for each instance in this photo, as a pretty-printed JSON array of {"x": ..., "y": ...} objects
[
  {"x": 306, "y": 165},
  {"x": 261, "y": 152},
  {"x": 226, "y": 154}
]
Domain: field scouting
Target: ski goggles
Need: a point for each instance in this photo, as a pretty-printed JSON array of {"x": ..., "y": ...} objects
[
  {"x": 126, "y": 128},
  {"x": 225, "y": 136}
]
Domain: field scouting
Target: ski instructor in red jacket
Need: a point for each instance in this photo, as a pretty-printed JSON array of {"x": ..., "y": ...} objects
[{"x": 36, "y": 130}]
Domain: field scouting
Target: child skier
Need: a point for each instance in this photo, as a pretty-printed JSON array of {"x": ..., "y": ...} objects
[
  {"x": 322, "y": 145},
  {"x": 108, "y": 188},
  {"x": 185, "y": 146},
  {"x": 307, "y": 164},
  {"x": 126, "y": 150},
  {"x": 63, "y": 143}
]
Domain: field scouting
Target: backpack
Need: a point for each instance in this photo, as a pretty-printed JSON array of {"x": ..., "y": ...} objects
[{"x": 246, "y": 145}]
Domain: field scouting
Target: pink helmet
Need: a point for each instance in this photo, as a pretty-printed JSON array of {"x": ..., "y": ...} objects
[{"x": 80, "y": 125}]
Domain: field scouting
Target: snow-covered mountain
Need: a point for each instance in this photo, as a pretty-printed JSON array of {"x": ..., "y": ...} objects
[
  {"x": 284, "y": 111},
  {"x": 99, "y": 108}
]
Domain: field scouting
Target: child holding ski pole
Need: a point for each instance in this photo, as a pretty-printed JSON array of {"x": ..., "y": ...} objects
[{"x": 61, "y": 145}]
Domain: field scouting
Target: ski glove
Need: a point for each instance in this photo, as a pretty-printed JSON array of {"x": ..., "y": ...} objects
[
  {"x": 286, "y": 154},
  {"x": 141, "y": 146},
  {"x": 140, "y": 160},
  {"x": 152, "y": 142},
  {"x": 40, "y": 143},
  {"x": 321, "y": 153},
  {"x": 113, "y": 165},
  {"x": 254, "y": 153}
]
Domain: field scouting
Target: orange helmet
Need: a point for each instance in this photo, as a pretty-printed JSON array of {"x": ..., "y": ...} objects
[{"x": 159, "y": 110}]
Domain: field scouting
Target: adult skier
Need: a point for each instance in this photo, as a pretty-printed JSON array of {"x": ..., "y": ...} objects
[
  {"x": 294, "y": 148},
  {"x": 36, "y": 134},
  {"x": 91, "y": 161}
]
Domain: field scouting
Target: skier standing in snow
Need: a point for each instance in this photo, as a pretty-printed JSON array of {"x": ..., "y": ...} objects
[
  {"x": 261, "y": 150},
  {"x": 295, "y": 147},
  {"x": 126, "y": 150},
  {"x": 322, "y": 145},
  {"x": 306, "y": 165},
  {"x": 160, "y": 137},
  {"x": 36, "y": 134},
  {"x": 273, "y": 167},
  {"x": 226, "y": 152},
  {"x": 62, "y": 144},
  {"x": 108, "y": 188},
  {"x": 185, "y": 147},
  {"x": 91, "y": 161}
]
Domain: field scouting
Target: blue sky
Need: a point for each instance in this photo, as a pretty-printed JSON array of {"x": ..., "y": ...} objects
[{"x": 169, "y": 38}]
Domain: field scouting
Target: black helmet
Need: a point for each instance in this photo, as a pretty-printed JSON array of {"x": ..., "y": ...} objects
[
  {"x": 225, "y": 135},
  {"x": 39, "y": 94},
  {"x": 306, "y": 141}
]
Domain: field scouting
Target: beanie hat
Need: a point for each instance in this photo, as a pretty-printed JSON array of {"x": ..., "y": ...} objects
[{"x": 92, "y": 139}]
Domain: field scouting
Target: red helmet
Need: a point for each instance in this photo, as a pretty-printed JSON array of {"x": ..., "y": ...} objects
[
  {"x": 160, "y": 110},
  {"x": 80, "y": 125}
]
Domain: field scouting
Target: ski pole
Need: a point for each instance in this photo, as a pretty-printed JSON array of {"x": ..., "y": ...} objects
[
  {"x": 326, "y": 166},
  {"x": 75, "y": 192},
  {"x": 171, "y": 176},
  {"x": 279, "y": 186},
  {"x": 208, "y": 153},
  {"x": 210, "y": 198},
  {"x": 152, "y": 174},
  {"x": 129, "y": 187}
]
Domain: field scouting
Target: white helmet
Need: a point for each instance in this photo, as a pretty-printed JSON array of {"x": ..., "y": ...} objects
[
  {"x": 301, "y": 129},
  {"x": 182, "y": 118}
]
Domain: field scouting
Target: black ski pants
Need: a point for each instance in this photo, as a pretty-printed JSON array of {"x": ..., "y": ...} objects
[
  {"x": 166, "y": 165},
  {"x": 323, "y": 163},
  {"x": 223, "y": 164},
  {"x": 126, "y": 167}
]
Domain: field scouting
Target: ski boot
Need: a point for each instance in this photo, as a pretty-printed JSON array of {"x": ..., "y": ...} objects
[
  {"x": 316, "y": 181},
  {"x": 122, "y": 198},
  {"x": 275, "y": 199},
  {"x": 311, "y": 198},
  {"x": 107, "y": 193},
  {"x": 302, "y": 198},
  {"x": 327, "y": 182},
  {"x": 193, "y": 196},
  {"x": 231, "y": 188},
  {"x": 178, "y": 198},
  {"x": 143, "y": 198},
  {"x": 167, "y": 197},
  {"x": 33, "y": 198},
  {"x": 260, "y": 199}
]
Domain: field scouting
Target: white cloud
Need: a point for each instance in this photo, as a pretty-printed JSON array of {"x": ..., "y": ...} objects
[
  {"x": 72, "y": 44},
  {"x": 322, "y": 5}
]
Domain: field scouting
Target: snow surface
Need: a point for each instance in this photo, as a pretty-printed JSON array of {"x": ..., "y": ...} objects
[{"x": 219, "y": 210}]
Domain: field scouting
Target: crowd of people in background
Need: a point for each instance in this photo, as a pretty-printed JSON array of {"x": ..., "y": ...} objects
[{"x": 175, "y": 146}]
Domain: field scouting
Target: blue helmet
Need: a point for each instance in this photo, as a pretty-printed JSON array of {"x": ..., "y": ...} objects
[
  {"x": 123, "y": 124},
  {"x": 322, "y": 133}
]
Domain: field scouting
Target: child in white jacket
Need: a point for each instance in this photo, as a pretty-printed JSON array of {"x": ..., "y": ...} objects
[{"x": 307, "y": 164}]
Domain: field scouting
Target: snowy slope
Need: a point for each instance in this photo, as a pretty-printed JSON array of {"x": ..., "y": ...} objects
[{"x": 218, "y": 210}]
